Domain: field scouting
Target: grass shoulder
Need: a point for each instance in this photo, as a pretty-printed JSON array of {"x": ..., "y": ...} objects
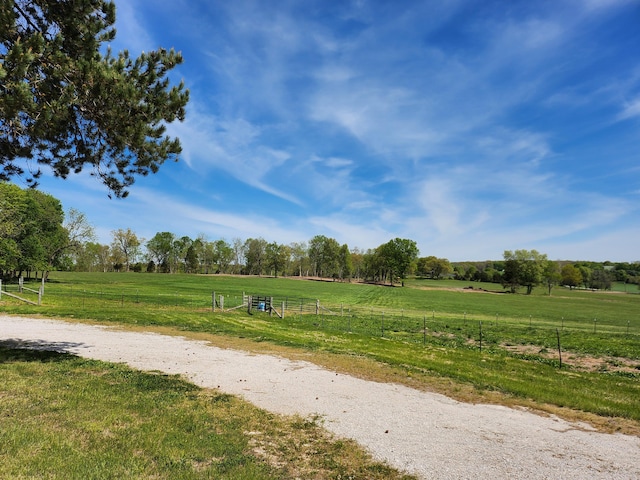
[{"x": 67, "y": 417}]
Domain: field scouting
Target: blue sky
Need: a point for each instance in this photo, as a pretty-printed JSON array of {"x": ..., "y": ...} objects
[{"x": 471, "y": 127}]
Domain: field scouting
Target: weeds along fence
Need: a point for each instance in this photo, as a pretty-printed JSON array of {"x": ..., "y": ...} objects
[{"x": 396, "y": 323}]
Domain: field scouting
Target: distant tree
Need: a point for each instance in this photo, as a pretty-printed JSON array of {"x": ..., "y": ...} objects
[
  {"x": 523, "y": 268},
  {"x": 191, "y": 259},
  {"x": 585, "y": 272},
  {"x": 126, "y": 246},
  {"x": 179, "y": 253},
  {"x": 238, "y": 254},
  {"x": 551, "y": 275},
  {"x": 433, "y": 267},
  {"x": 422, "y": 270},
  {"x": 324, "y": 256},
  {"x": 223, "y": 254},
  {"x": 345, "y": 265},
  {"x": 570, "y": 276},
  {"x": 357, "y": 262},
  {"x": 276, "y": 257},
  {"x": 79, "y": 230},
  {"x": 254, "y": 252},
  {"x": 601, "y": 279},
  {"x": 299, "y": 256},
  {"x": 86, "y": 258},
  {"x": 373, "y": 265},
  {"x": 67, "y": 104},
  {"x": 397, "y": 256},
  {"x": 206, "y": 255},
  {"x": 471, "y": 273},
  {"x": 160, "y": 248}
]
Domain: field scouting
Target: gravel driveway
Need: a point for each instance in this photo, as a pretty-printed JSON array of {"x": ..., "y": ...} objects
[{"x": 426, "y": 434}]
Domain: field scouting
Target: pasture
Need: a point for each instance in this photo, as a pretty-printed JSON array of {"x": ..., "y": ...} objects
[{"x": 575, "y": 353}]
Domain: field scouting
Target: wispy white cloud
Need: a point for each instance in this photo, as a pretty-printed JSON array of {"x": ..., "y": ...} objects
[
  {"x": 233, "y": 146},
  {"x": 469, "y": 128},
  {"x": 630, "y": 110}
]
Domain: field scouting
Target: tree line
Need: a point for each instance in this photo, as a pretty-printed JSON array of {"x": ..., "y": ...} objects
[
  {"x": 36, "y": 236},
  {"x": 321, "y": 256}
]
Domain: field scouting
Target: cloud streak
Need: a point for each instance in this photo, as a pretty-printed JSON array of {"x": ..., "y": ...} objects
[{"x": 469, "y": 128}]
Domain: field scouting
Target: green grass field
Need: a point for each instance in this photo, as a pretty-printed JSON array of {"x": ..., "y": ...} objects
[
  {"x": 66, "y": 417},
  {"x": 489, "y": 342}
]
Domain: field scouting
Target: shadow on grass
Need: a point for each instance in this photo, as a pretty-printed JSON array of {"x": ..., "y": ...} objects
[{"x": 16, "y": 350}]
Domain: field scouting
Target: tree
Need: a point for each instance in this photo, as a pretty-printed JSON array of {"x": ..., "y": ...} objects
[
  {"x": 551, "y": 274},
  {"x": 357, "y": 263},
  {"x": 254, "y": 252},
  {"x": 79, "y": 230},
  {"x": 125, "y": 246},
  {"x": 11, "y": 225},
  {"x": 523, "y": 268},
  {"x": 32, "y": 235},
  {"x": 299, "y": 255},
  {"x": 160, "y": 248},
  {"x": 433, "y": 267},
  {"x": 92, "y": 257},
  {"x": 191, "y": 259},
  {"x": 238, "y": 254},
  {"x": 223, "y": 254},
  {"x": 398, "y": 255},
  {"x": 67, "y": 106},
  {"x": 345, "y": 266},
  {"x": 373, "y": 265},
  {"x": 570, "y": 275},
  {"x": 585, "y": 272},
  {"x": 601, "y": 279},
  {"x": 179, "y": 253},
  {"x": 324, "y": 255},
  {"x": 276, "y": 257}
]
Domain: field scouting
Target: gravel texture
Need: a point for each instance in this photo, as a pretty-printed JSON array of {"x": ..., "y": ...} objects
[{"x": 425, "y": 434}]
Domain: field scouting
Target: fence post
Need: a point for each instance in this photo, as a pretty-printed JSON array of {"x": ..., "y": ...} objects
[
  {"x": 222, "y": 303},
  {"x": 40, "y": 290},
  {"x": 317, "y": 306},
  {"x": 382, "y": 323},
  {"x": 20, "y": 284},
  {"x": 480, "y": 336},
  {"x": 282, "y": 316},
  {"x": 213, "y": 301},
  {"x": 559, "y": 350},
  {"x": 249, "y": 302},
  {"x": 424, "y": 329}
]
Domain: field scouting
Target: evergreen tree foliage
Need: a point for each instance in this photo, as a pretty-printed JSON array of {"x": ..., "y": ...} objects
[{"x": 67, "y": 104}]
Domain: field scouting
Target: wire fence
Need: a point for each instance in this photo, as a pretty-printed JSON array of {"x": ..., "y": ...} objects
[{"x": 453, "y": 329}]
